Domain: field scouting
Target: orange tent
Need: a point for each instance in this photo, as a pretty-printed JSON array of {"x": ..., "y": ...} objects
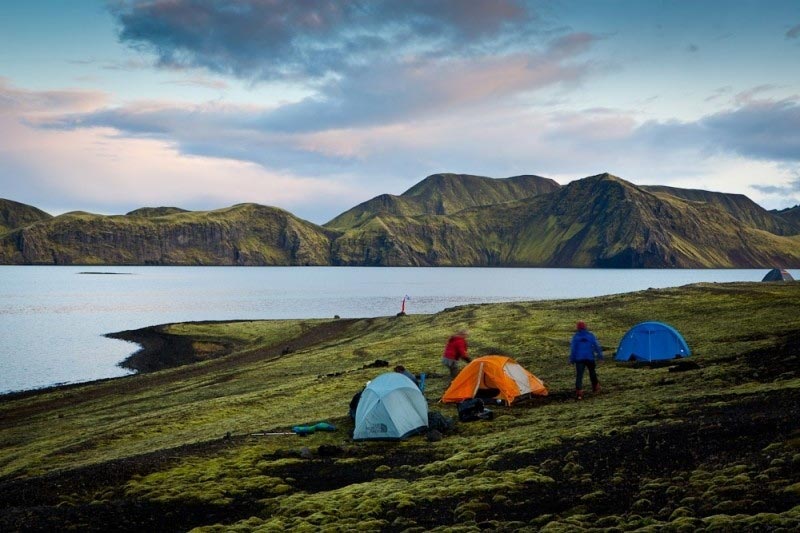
[{"x": 494, "y": 376}]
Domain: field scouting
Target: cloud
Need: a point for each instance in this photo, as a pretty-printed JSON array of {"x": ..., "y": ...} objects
[
  {"x": 127, "y": 65},
  {"x": 760, "y": 129},
  {"x": 488, "y": 138},
  {"x": 366, "y": 63},
  {"x": 61, "y": 169},
  {"x": 749, "y": 96},
  {"x": 13, "y": 100},
  {"x": 280, "y": 39},
  {"x": 199, "y": 81},
  {"x": 572, "y": 44},
  {"x": 210, "y": 130},
  {"x": 719, "y": 93},
  {"x": 793, "y": 32},
  {"x": 793, "y": 187},
  {"x": 692, "y": 48},
  {"x": 280, "y": 137},
  {"x": 392, "y": 93}
]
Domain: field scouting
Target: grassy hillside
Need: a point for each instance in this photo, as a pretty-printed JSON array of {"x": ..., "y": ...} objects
[
  {"x": 155, "y": 211},
  {"x": 714, "y": 448},
  {"x": 791, "y": 214},
  {"x": 604, "y": 221},
  {"x": 16, "y": 215},
  {"x": 245, "y": 234},
  {"x": 444, "y": 194},
  {"x": 600, "y": 221},
  {"x": 445, "y": 220},
  {"x": 738, "y": 206}
]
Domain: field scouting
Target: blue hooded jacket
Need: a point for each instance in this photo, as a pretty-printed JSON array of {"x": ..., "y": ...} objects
[{"x": 584, "y": 346}]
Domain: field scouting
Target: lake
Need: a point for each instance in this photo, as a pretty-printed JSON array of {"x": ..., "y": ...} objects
[{"x": 52, "y": 318}]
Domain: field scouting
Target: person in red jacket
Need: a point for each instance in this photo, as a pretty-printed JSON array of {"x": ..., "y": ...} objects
[{"x": 455, "y": 349}]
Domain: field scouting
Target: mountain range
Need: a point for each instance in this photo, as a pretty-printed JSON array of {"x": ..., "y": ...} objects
[{"x": 444, "y": 220}]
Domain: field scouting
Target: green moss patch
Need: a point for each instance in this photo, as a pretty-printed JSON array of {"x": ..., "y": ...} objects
[{"x": 714, "y": 447}]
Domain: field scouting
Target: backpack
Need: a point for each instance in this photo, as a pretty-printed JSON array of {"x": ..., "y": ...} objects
[
  {"x": 440, "y": 423},
  {"x": 473, "y": 409}
]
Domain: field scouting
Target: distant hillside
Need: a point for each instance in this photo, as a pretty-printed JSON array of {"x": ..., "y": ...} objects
[
  {"x": 739, "y": 206},
  {"x": 600, "y": 221},
  {"x": 445, "y": 194},
  {"x": 155, "y": 211},
  {"x": 245, "y": 234},
  {"x": 445, "y": 220},
  {"x": 16, "y": 215},
  {"x": 792, "y": 214},
  {"x": 605, "y": 221}
]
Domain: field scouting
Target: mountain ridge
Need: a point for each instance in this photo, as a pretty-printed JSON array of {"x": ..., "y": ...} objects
[
  {"x": 244, "y": 234},
  {"x": 16, "y": 214},
  {"x": 445, "y": 220},
  {"x": 445, "y": 194}
]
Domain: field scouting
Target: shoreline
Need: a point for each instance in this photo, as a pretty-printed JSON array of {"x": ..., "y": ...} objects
[{"x": 160, "y": 350}]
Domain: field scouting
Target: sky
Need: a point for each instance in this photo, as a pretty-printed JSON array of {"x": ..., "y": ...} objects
[{"x": 315, "y": 106}]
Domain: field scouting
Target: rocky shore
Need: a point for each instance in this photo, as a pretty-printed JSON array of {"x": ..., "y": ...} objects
[{"x": 160, "y": 349}]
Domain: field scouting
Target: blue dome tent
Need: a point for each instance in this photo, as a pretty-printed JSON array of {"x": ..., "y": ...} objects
[
  {"x": 391, "y": 407},
  {"x": 652, "y": 341}
]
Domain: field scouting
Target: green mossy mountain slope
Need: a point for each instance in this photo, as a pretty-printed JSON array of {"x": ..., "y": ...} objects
[
  {"x": 245, "y": 234},
  {"x": 600, "y": 221},
  {"x": 444, "y": 194},
  {"x": 445, "y": 220},
  {"x": 739, "y": 206},
  {"x": 713, "y": 446},
  {"x": 605, "y": 221},
  {"x": 16, "y": 215},
  {"x": 791, "y": 214},
  {"x": 155, "y": 211}
]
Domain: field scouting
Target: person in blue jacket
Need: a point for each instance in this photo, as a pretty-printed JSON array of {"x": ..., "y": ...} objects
[{"x": 582, "y": 352}]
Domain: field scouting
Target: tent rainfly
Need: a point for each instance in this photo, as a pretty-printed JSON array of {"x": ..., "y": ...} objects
[
  {"x": 652, "y": 341},
  {"x": 494, "y": 376},
  {"x": 778, "y": 274},
  {"x": 391, "y": 407}
]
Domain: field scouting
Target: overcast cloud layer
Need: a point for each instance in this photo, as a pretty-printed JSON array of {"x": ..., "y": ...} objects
[{"x": 315, "y": 106}]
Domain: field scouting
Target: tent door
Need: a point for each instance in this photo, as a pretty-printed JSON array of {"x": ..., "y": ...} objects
[{"x": 478, "y": 381}]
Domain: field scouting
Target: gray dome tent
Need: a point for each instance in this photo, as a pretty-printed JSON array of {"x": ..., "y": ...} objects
[
  {"x": 391, "y": 407},
  {"x": 778, "y": 274}
]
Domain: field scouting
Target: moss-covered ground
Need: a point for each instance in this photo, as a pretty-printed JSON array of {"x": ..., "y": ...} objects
[{"x": 714, "y": 447}]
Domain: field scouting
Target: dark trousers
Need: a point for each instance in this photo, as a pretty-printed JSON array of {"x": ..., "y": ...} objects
[{"x": 579, "y": 367}]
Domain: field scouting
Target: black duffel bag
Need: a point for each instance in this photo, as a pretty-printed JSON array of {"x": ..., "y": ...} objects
[{"x": 473, "y": 409}]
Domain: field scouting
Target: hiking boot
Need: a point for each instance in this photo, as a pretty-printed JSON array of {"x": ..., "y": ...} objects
[
  {"x": 579, "y": 394},
  {"x": 595, "y": 387}
]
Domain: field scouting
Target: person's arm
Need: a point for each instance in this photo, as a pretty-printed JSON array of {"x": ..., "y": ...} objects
[
  {"x": 572, "y": 351},
  {"x": 598, "y": 350}
]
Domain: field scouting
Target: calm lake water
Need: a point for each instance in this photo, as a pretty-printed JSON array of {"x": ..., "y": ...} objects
[{"x": 52, "y": 318}]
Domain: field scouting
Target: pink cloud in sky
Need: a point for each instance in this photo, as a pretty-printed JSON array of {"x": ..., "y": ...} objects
[
  {"x": 15, "y": 100},
  {"x": 212, "y": 155},
  {"x": 96, "y": 166},
  {"x": 487, "y": 79}
]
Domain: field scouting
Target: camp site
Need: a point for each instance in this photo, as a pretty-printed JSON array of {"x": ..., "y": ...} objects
[{"x": 255, "y": 437}]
